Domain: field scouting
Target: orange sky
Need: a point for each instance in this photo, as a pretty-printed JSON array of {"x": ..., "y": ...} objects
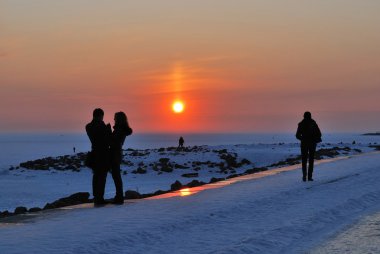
[{"x": 238, "y": 65}]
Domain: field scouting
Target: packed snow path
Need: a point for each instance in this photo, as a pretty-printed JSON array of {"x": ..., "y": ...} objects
[{"x": 274, "y": 214}]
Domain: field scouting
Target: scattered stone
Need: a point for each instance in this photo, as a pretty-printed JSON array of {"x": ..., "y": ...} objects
[
  {"x": 215, "y": 179},
  {"x": 74, "y": 199},
  {"x": 190, "y": 175},
  {"x": 130, "y": 194},
  {"x": 255, "y": 170},
  {"x": 139, "y": 170},
  {"x": 233, "y": 176},
  {"x": 5, "y": 214},
  {"x": 180, "y": 166},
  {"x": 197, "y": 168},
  {"x": 20, "y": 210},
  {"x": 245, "y": 161},
  {"x": 177, "y": 185},
  {"x": 160, "y": 192},
  {"x": 195, "y": 183},
  {"x": 164, "y": 160},
  {"x": 34, "y": 210},
  {"x": 377, "y": 147}
]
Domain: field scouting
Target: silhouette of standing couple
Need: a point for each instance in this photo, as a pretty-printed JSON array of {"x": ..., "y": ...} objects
[{"x": 106, "y": 153}]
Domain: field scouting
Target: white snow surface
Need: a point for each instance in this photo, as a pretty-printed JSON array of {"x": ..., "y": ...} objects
[
  {"x": 362, "y": 237},
  {"x": 273, "y": 214}
]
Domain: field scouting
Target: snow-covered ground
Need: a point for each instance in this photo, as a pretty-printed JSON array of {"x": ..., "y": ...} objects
[
  {"x": 363, "y": 237},
  {"x": 35, "y": 188},
  {"x": 273, "y": 214}
]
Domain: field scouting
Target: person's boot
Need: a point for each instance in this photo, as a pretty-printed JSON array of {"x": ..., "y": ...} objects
[
  {"x": 118, "y": 200},
  {"x": 100, "y": 202},
  {"x": 310, "y": 176}
]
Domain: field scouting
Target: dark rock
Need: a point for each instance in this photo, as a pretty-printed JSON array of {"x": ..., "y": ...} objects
[
  {"x": 160, "y": 192},
  {"x": 233, "y": 176},
  {"x": 376, "y": 147},
  {"x": 139, "y": 171},
  {"x": 255, "y": 170},
  {"x": 80, "y": 197},
  {"x": 197, "y": 168},
  {"x": 20, "y": 210},
  {"x": 195, "y": 183},
  {"x": 214, "y": 180},
  {"x": 161, "y": 150},
  {"x": 5, "y": 214},
  {"x": 190, "y": 175},
  {"x": 164, "y": 160},
  {"x": 245, "y": 161},
  {"x": 230, "y": 160},
  {"x": 167, "y": 168},
  {"x": 74, "y": 199},
  {"x": 130, "y": 194},
  {"x": 177, "y": 185},
  {"x": 48, "y": 206},
  {"x": 34, "y": 210},
  {"x": 180, "y": 166},
  {"x": 147, "y": 195}
]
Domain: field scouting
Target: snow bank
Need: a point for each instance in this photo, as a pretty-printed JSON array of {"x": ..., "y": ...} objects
[{"x": 275, "y": 214}]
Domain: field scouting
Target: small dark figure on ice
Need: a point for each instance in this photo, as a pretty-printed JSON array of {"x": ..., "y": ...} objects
[
  {"x": 309, "y": 134},
  {"x": 74, "y": 149},
  {"x": 181, "y": 141}
]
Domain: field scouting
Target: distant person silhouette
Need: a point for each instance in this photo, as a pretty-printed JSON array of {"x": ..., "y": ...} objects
[
  {"x": 100, "y": 136},
  {"x": 181, "y": 141},
  {"x": 309, "y": 134},
  {"x": 74, "y": 149},
  {"x": 121, "y": 129}
]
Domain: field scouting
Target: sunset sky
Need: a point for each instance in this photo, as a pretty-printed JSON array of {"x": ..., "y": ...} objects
[{"x": 239, "y": 66}]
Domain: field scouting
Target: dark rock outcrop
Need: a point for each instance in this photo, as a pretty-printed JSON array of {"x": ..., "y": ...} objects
[
  {"x": 195, "y": 183},
  {"x": 34, "y": 210},
  {"x": 215, "y": 179},
  {"x": 74, "y": 199},
  {"x": 130, "y": 194},
  {"x": 20, "y": 210},
  {"x": 139, "y": 170},
  {"x": 177, "y": 185},
  {"x": 189, "y": 175}
]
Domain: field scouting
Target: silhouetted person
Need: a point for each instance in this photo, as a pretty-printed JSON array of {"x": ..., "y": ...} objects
[
  {"x": 181, "y": 141},
  {"x": 121, "y": 129},
  {"x": 74, "y": 149},
  {"x": 309, "y": 134},
  {"x": 100, "y": 137}
]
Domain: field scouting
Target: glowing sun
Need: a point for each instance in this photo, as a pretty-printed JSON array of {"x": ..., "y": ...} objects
[{"x": 178, "y": 106}]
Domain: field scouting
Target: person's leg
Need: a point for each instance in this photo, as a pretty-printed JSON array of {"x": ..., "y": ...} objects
[
  {"x": 118, "y": 182},
  {"x": 312, "y": 148},
  {"x": 102, "y": 183},
  {"x": 97, "y": 186},
  {"x": 304, "y": 155}
]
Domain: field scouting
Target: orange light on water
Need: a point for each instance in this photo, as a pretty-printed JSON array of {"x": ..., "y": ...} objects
[{"x": 185, "y": 192}]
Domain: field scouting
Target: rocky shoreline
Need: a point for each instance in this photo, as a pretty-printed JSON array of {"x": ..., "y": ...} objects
[{"x": 228, "y": 164}]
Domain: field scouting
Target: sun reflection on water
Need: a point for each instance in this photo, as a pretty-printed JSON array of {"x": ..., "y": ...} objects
[{"x": 185, "y": 192}]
